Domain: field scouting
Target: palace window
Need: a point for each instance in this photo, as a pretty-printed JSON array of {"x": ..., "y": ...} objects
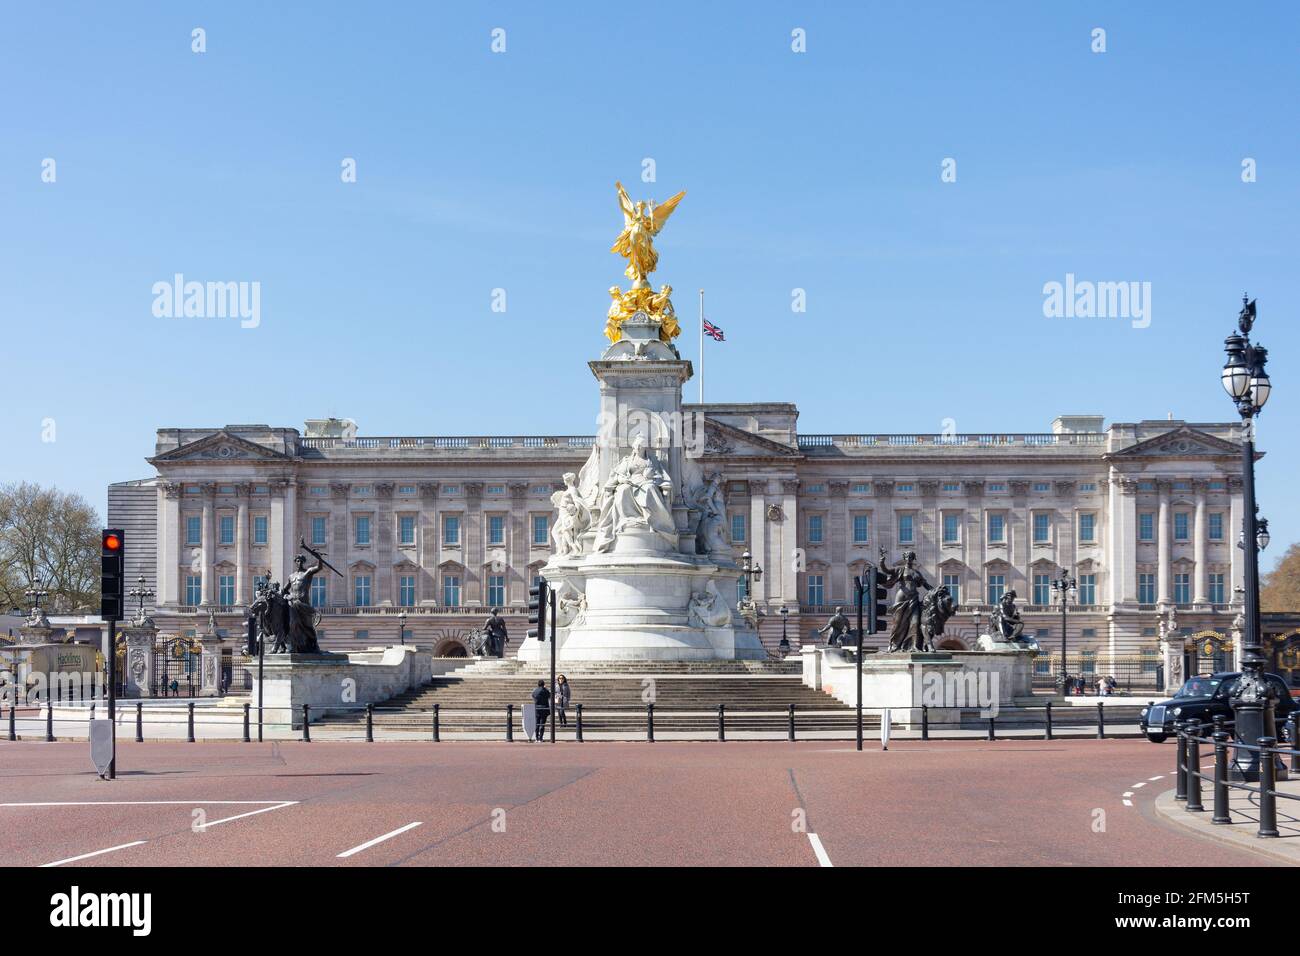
[
  {"x": 361, "y": 637},
  {"x": 904, "y": 529},
  {"x": 1042, "y": 527},
  {"x": 259, "y": 529},
  {"x": 953, "y": 583},
  {"x": 1088, "y": 589},
  {"x": 1216, "y": 525},
  {"x": 1146, "y": 486},
  {"x": 903, "y": 488},
  {"x": 226, "y": 590},
  {"x": 451, "y": 489},
  {"x": 1088, "y": 486},
  {"x": 1146, "y": 588},
  {"x": 227, "y": 529},
  {"x": 1087, "y": 526},
  {"x": 997, "y": 486},
  {"x": 406, "y": 489},
  {"x": 495, "y": 489},
  {"x": 406, "y": 529},
  {"x": 193, "y": 529},
  {"x": 361, "y": 590},
  {"x": 1146, "y": 526},
  {"x": 406, "y": 590},
  {"x": 1217, "y": 486},
  {"x": 541, "y": 529},
  {"x": 259, "y": 581},
  {"x": 496, "y": 529},
  {"x": 1042, "y": 589},
  {"x": 997, "y": 586},
  {"x": 1217, "y": 595},
  {"x": 861, "y": 528},
  {"x": 1042, "y": 486},
  {"x": 738, "y": 528},
  {"x": 451, "y": 532},
  {"x": 816, "y": 589},
  {"x": 319, "y": 595},
  {"x": 363, "y": 529},
  {"x": 318, "y": 529},
  {"x": 1180, "y": 526},
  {"x": 997, "y": 528},
  {"x": 193, "y": 590},
  {"x": 816, "y": 489},
  {"x": 862, "y": 489},
  {"x": 952, "y": 486},
  {"x": 318, "y": 491},
  {"x": 451, "y": 590},
  {"x": 814, "y": 529},
  {"x": 1182, "y": 589},
  {"x": 496, "y": 589},
  {"x": 951, "y": 528}
]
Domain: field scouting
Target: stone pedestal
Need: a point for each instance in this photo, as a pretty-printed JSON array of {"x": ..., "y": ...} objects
[
  {"x": 338, "y": 682},
  {"x": 140, "y": 642},
  {"x": 1172, "y": 650}
]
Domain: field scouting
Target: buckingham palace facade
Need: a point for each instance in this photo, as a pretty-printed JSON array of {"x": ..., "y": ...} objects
[{"x": 441, "y": 529}]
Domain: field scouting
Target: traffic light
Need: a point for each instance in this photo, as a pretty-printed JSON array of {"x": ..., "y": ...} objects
[
  {"x": 112, "y": 580},
  {"x": 877, "y": 609},
  {"x": 538, "y": 597}
]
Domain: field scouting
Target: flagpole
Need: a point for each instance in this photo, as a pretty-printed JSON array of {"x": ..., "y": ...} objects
[{"x": 701, "y": 346}]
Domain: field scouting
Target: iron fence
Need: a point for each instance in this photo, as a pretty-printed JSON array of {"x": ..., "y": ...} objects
[{"x": 1268, "y": 754}]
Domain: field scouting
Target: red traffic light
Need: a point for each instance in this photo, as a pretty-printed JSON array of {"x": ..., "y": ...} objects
[{"x": 112, "y": 542}]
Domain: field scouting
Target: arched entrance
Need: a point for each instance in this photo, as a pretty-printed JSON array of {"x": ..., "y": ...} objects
[
  {"x": 951, "y": 644},
  {"x": 1207, "y": 652},
  {"x": 452, "y": 647}
]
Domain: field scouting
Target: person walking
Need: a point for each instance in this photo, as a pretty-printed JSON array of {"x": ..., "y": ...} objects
[
  {"x": 563, "y": 694},
  {"x": 542, "y": 707}
]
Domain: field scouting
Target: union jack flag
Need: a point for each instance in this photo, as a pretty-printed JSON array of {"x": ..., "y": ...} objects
[{"x": 713, "y": 331}]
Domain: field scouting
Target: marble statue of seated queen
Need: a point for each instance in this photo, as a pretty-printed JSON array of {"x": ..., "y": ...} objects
[{"x": 635, "y": 496}]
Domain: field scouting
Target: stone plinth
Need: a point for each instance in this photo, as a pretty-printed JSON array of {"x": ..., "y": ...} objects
[
  {"x": 140, "y": 644},
  {"x": 338, "y": 682}
]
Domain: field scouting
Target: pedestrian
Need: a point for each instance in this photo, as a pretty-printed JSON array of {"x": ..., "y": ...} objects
[
  {"x": 175, "y": 688},
  {"x": 563, "y": 694},
  {"x": 541, "y": 706}
]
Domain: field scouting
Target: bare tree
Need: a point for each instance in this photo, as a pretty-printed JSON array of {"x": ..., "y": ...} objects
[{"x": 53, "y": 537}]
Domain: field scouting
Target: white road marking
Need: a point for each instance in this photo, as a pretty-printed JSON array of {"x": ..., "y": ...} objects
[
  {"x": 1139, "y": 785},
  {"x": 819, "y": 850},
  {"x": 142, "y": 803},
  {"x": 87, "y": 856},
  {"x": 1127, "y": 793},
  {"x": 1128, "y": 803},
  {"x": 379, "y": 839},
  {"x": 1156, "y": 777},
  {"x": 250, "y": 813}
]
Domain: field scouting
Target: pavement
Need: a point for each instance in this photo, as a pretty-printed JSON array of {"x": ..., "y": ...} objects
[
  {"x": 1243, "y": 808},
  {"x": 1079, "y": 802}
]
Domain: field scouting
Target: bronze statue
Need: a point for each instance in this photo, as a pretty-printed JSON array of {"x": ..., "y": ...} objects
[
  {"x": 271, "y": 612},
  {"x": 905, "y": 631},
  {"x": 495, "y": 635},
  {"x": 839, "y": 627},
  {"x": 936, "y": 609},
  {"x": 1005, "y": 620}
]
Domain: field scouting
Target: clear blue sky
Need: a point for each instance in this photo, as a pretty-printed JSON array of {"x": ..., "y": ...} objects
[{"x": 478, "y": 170}]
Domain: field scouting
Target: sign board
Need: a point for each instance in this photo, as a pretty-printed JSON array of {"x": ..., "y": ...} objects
[
  {"x": 530, "y": 720},
  {"x": 101, "y": 745}
]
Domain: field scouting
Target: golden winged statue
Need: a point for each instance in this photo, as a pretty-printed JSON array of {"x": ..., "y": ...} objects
[{"x": 642, "y": 221}]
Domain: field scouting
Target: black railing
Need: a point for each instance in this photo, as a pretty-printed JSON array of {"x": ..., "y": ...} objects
[{"x": 1188, "y": 775}]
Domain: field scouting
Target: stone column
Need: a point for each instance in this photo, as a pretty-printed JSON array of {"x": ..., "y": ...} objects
[
  {"x": 169, "y": 543},
  {"x": 974, "y": 591},
  {"x": 1200, "y": 577},
  {"x": 520, "y": 537},
  {"x": 243, "y": 539},
  {"x": 475, "y": 554},
  {"x": 1164, "y": 536},
  {"x": 290, "y": 526},
  {"x": 761, "y": 543},
  {"x": 430, "y": 540},
  {"x": 787, "y": 539},
  {"x": 1236, "y": 522},
  {"x": 279, "y": 560},
  {"x": 209, "y": 543},
  {"x": 385, "y": 594},
  {"x": 886, "y": 529},
  {"x": 838, "y": 515},
  {"x": 1123, "y": 542},
  {"x": 1019, "y": 552}
]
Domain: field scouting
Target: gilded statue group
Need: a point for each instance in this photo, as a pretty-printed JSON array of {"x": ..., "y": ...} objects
[{"x": 642, "y": 221}]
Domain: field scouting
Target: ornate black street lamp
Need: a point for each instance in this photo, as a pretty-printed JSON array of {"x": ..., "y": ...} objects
[
  {"x": 784, "y": 646},
  {"x": 752, "y": 572},
  {"x": 1066, "y": 589},
  {"x": 401, "y": 627},
  {"x": 36, "y": 592},
  {"x": 1245, "y": 379},
  {"x": 141, "y": 594}
]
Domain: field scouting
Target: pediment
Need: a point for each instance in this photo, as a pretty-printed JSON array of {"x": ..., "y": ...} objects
[
  {"x": 1043, "y": 564},
  {"x": 723, "y": 439},
  {"x": 1182, "y": 442},
  {"x": 221, "y": 445},
  {"x": 952, "y": 565}
]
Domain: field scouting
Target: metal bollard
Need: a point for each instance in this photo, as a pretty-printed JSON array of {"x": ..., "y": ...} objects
[
  {"x": 370, "y": 723},
  {"x": 189, "y": 723},
  {"x": 925, "y": 721},
  {"x": 49, "y": 720},
  {"x": 247, "y": 739},
  {"x": 1180, "y": 762},
  {"x": 437, "y": 733},
  {"x": 1194, "y": 804},
  {"x": 1047, "y": 727},
  {"x": 510, "y": 722},
  {"x": 1295, "y": 741},
  {"x": 1267, "y": 788},
  {"x": 991, "y": 734},
  {"x": 306, "y": 723},
  {"x": 13, "y": 730},
  {"x": 792, "y": 721},
  {"x": 1101, "y": 720},
  {"x": 650, "y": 723},
  {"x": 139, "y": 722},
  {"x": 722, "y": 721},
  {"x": 92, "y": 710},
  {"x": 578, "y": 710},
  {"x": 1221, "y": 813}
]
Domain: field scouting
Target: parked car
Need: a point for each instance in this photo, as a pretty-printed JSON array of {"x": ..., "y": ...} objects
[{"x": 1205, "y": 697}]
